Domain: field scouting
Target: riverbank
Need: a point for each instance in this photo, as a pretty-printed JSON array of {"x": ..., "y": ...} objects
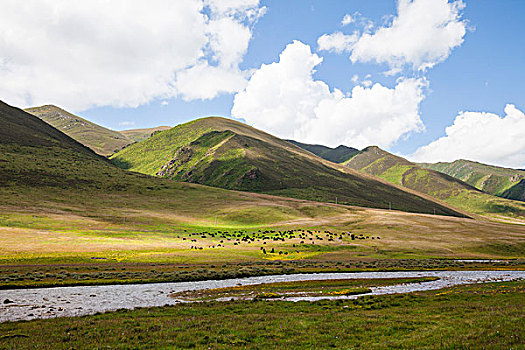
[
  {"x": 487, "y": 316},
  {"x": 27, "y": 304},
  {"x": 102, "y": 272}
]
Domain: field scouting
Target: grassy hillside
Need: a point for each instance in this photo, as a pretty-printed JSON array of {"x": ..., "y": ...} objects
[
  {"x": 68, "y": 216},
  {"x": 137, "y": 135},
  {"x": 101, "y": 140},
  {"x": 224, "y": 153},
  {"x": 498, "y": 181},
  {"x": 378, "y": 162},
  {"x": 44, "y": 169},
  {"x": 339, "y": 154}
]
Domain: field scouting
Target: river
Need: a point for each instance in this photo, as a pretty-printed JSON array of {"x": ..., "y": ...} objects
[{"x": 27, "y": 304}]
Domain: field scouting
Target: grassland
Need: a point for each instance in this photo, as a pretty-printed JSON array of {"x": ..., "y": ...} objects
[
  {"x": 82, "y": 245},
  {"x": 69, "y": 216},
  {"x": 459, "y": 194},
  {"x": 303, "y": 288},
  {"x": 488, "y": 316},
  {"x": 498, "y": 181}
]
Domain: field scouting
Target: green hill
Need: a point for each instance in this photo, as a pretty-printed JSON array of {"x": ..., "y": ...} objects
[
  {"x": 101, "y": 140},
  {"x": 137, "y": 135},
  {"x": 64, "y": 207},
  {"x": 339, "y": 154},
  {"x": 43, "y": 170},
  {"x": 375, "y": 161},
  {"x": 503, "y": 182},
  {"x": 224, "y": 153}
]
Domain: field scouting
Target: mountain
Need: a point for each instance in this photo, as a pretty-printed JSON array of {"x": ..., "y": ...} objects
[
  {"x": 503, "y": 182},
  {"x": 137, "y": 135},
  {"x": 50, "y": 179},
  {"x": 101, "y": 140},
  {"x": 224, "y": 153},
  {"x": 375, "y": 161},
  {"x": 339, "y": 154}
]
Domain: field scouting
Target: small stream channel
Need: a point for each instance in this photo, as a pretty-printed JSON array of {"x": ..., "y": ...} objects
[{"x": 27, "y": 304}]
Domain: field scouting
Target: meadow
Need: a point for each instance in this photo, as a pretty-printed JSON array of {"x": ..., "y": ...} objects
[
  {"x": 70, "y": 217},
  {"x": 488, "y": 316}
]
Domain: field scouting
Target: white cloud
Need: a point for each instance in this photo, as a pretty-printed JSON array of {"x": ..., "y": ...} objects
[
  {"x": 127, "y": 123},
  {"x": 239, "y": 9},
  {"x": 367, "y": 83},
  {"x": 480, "y": 136},
  {"x": 206, "y": 82},
  {"x": 347, "y": 19},
  {"x": 80, "y": 54},
  {"x": 423, "y": 33},
  {"x": 284, "y": 99},
  {"x": 337, "y": 42}
]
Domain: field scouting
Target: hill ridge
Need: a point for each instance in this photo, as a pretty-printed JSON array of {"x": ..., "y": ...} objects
[
  {"x": 454, "y": 191},
  {"x": 225, "y": 153},
  {"x": 338, "y": 154},
  {"x": 499, "y": 181},
  {"x": 100, "y": 139}
]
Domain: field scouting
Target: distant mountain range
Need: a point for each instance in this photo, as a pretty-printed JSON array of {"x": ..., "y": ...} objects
[
  {"x": 102, "y": 140},
  {"x": 339, "y": 154},
  {"x": 502, "y": 182},
  {"x": 224, "y": 153},
  {"x": 377, "y": 162},
  {"x": 444, "y": 183}
]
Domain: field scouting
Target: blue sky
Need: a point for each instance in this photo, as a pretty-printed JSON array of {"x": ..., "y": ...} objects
[{"x": 482, "y": 74}]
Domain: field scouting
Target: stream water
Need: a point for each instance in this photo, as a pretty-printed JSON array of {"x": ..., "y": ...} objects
[{"x": 27, "y": 304}]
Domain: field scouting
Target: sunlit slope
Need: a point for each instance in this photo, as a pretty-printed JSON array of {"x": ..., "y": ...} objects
[
  {"x": 100, "y": 139},
  {"x": 42, "y": 170},
  {"x": 224, "y": 153},
  {"x": 137, "y": 135},
  {"x": 375, "y": 161},
  {"x": 503, "y": 182}
]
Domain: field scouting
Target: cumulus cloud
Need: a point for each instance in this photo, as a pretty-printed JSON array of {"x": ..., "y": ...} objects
[
  {"x": 80, "y": 54},
  {"x": 423, "y": 33},
  {"x": 480, "y": 136},
  {"x": 206, "y": 82},
  {"x": 283, "y": 98},
  {"x": 347, "y": 19},
  {"x": 337, "y": 42}
]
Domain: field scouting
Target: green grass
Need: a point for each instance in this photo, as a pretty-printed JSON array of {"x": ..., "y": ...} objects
[
  {"x": 149, "y": 157},
  {"x": 395, "y": 174},
  {"x": 137, "y": 135},
  {"x": 101, "y": 140},
  {"x": 498, "y": 181},
  {"x": 227, "y": 154},
  {"x": 446, "y": 188},
  {"x": 63, "y": 204},
  {"x": 486, "y": 316},
  {"x": 291, "y": 289}
]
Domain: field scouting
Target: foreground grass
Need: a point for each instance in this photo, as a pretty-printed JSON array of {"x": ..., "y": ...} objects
[
  {"x": 489, "y": 316},
  {"x": 313, "y": 288}
]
